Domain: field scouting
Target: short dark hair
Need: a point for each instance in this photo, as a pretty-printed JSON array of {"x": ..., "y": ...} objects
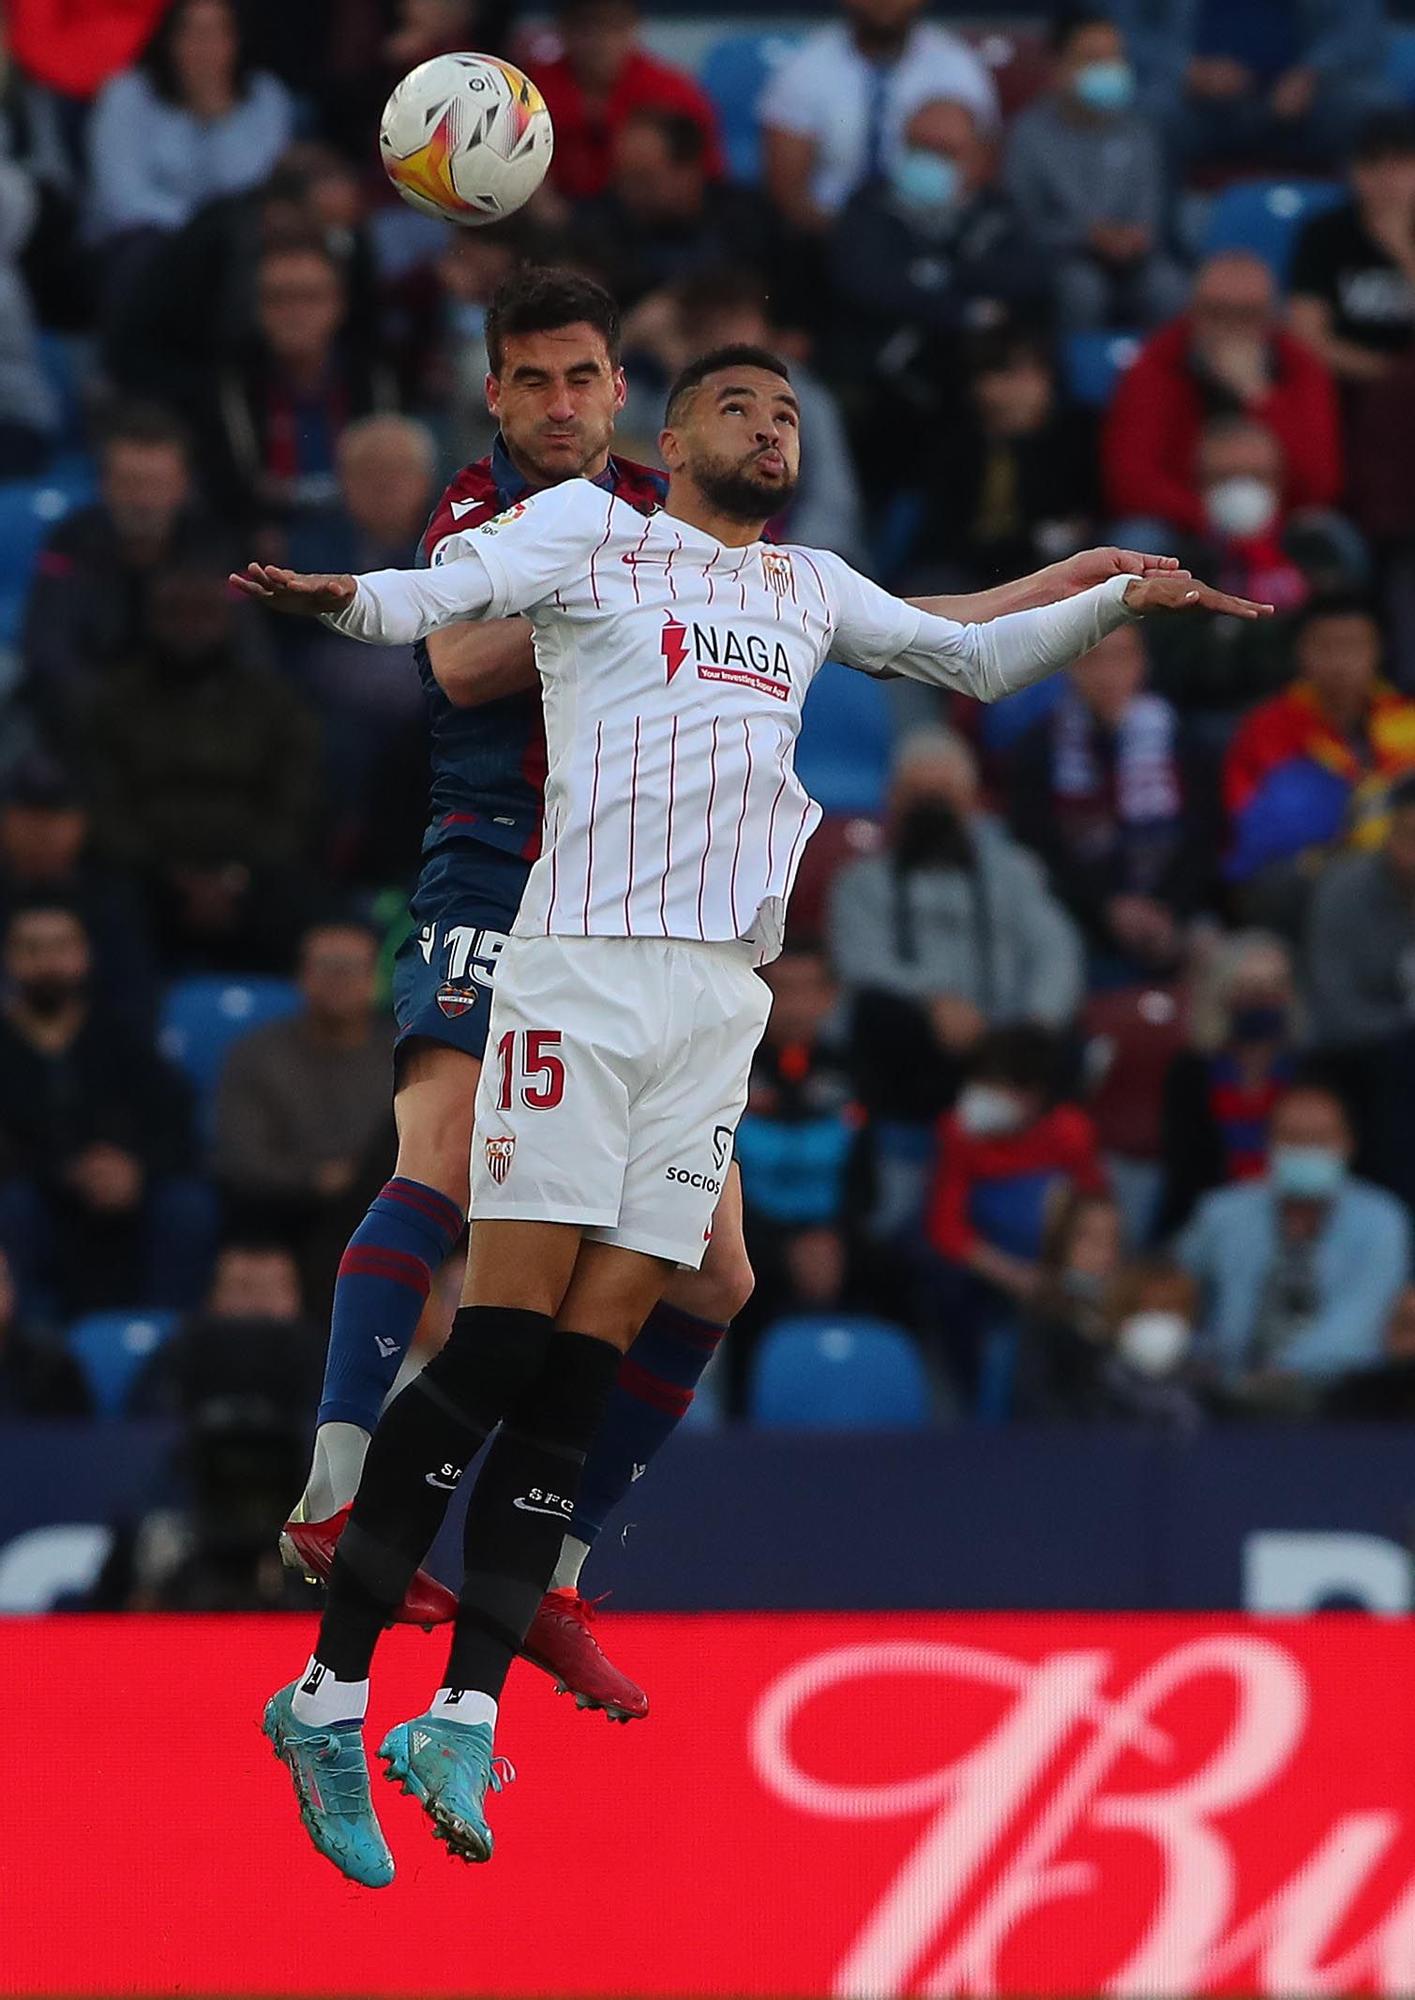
[
  {"x": 1389, "y": 135},
  {"x": 1026, "y": 1056},
  {"x": 145, "y": 424},
  {"x": 1069, "y": 24},
  {"x": 684, "y": 139},
  {"x": 741, "y": 354},
  {"x": 539, "y": 298},
  {"x": 716, "y": 289},
  {"x": 157, "y": 57},
  {"x": 1333, "y": 604}
]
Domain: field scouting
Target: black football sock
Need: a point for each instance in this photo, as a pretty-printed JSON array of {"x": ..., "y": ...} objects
[
  {"x": 423, "y": 1444},
  {"x": 521, "y": 1506}
]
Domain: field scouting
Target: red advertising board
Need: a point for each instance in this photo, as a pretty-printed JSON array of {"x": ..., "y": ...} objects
[{"x": 850, "y": 1804}]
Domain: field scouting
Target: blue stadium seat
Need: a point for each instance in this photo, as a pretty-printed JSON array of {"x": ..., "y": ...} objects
[
  {"x": 734, "y": 74},
  {"x": 843, "y": 755},
  {"x": 1092, "y": 364},
  {"x": 1266, "y": 217},
  {"x": 203, "y": 1015},
  {"x": 29, "y": 508},
  {"x": 1400, "y": 61},
  {"x": 838, "y": 1371},
  {"x": 68, "y": 360},
  {"x": 112, "y": 1348}
]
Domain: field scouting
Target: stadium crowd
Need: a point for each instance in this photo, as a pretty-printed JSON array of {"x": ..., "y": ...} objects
[{"x": 1092, "y": 1061}]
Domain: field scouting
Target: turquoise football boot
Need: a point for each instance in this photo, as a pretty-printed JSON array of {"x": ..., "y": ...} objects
[
  {"x": 330, "y": 1773},
  {"x": 447, "y": 1766}
]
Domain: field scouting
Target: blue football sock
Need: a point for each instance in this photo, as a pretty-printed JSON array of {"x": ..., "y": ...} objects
[
  {"x": 384, "y": 1279},
  {"x": 649, "y": 1400}
]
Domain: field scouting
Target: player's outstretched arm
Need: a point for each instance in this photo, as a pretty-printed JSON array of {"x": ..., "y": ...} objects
[
  {"x": 389, "y": 607},
  {"x": 883, "y": 634},
  {"x": 1051, "y": 585},
  {"x": 1023, "y": 647}
]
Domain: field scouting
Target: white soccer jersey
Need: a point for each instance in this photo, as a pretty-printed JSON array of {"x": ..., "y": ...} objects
[{"x": 674, "y": 670}]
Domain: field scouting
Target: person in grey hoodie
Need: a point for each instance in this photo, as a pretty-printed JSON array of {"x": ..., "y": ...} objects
[
  {"x": 949, "y": 931},
  {"x": 1360, "y": 940},
  {"x": 29, "y": 414},
  {"x": 1086, "y": 170}
]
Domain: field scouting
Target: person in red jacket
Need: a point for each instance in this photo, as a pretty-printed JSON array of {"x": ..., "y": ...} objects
[
  {"x": 598, "y": 83},
  {"x": 1006, "y": 1149},
  {"x": 1227, "y": 356},
  {"x": 74, "y": 46}
]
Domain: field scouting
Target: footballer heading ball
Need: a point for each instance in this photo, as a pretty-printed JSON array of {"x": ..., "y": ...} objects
[{"x": 466, "y": 137}]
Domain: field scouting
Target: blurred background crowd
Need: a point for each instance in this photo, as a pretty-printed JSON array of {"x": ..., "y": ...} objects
[{"x": 1089, "y": 1083}]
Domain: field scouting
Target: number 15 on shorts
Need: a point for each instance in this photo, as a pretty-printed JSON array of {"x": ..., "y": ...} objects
[{"x": 530, "y": 1069}]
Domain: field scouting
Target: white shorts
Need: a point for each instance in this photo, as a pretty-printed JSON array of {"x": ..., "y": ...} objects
[{"x": 615, "y": 1073}]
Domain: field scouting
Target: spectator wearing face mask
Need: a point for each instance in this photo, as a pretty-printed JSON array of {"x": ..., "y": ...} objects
[
  {"x": 935, "y": 247},
  {"x": 1255, "y": 547},
  {"x": 1310, "y": 769},
  {"x": 1300, "y": 1269},
  {"x": 834, "y": 114},
  {"x": 1221, "y": 1093},
  {"x": 1259, "y": 81},
  {"x": 1226, "y": 356},
  {"x": 949, "y": 931},
  {"x": 1086, "y": 168},
  {"x": 1008, "y": 1151},
  {"x": 1127, "y": 1357}
]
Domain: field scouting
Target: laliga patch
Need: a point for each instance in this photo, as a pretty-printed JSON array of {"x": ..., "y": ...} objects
[
  {"x": 503, "y": 520},
  {"x": 455, "y": 1001},
  {"x": 498, "y": 1158}
]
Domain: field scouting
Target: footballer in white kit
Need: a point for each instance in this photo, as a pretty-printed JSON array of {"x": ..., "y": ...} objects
[{"x": 675, "y": 653}]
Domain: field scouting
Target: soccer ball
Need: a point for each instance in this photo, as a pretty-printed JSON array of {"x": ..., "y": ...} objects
[{"x": 466, "y": 137}]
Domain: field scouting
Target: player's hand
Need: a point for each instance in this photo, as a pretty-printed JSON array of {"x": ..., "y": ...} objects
[
  {"x": 1182, "y": 592},
  {"x": 1092, "y": 566},
  {"x": 301, "y": 596}
]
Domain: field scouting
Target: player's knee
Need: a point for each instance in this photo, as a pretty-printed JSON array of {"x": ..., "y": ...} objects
[{"x": 720, "y": 1290}]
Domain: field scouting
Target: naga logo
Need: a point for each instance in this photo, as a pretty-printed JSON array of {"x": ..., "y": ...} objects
[
  {"x": 674, "y": 641},
  {"x": 720, "y": 654}
]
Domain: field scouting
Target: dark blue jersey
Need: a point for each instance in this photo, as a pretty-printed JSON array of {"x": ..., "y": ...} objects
[{"x": 488, "y": 763}]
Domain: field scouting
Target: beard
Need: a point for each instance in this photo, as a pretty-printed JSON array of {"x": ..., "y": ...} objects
[{"x": 739, "y": 493}]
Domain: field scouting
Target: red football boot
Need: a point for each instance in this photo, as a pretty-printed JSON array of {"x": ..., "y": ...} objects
[
  {"x": 310, "y": 1545},
  {"x": 562, "y": 1645}
]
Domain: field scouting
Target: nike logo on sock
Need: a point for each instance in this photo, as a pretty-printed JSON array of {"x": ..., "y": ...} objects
[
  {"x": 446, "y": 1477},
  {"x": 555, "y": 1513}
]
